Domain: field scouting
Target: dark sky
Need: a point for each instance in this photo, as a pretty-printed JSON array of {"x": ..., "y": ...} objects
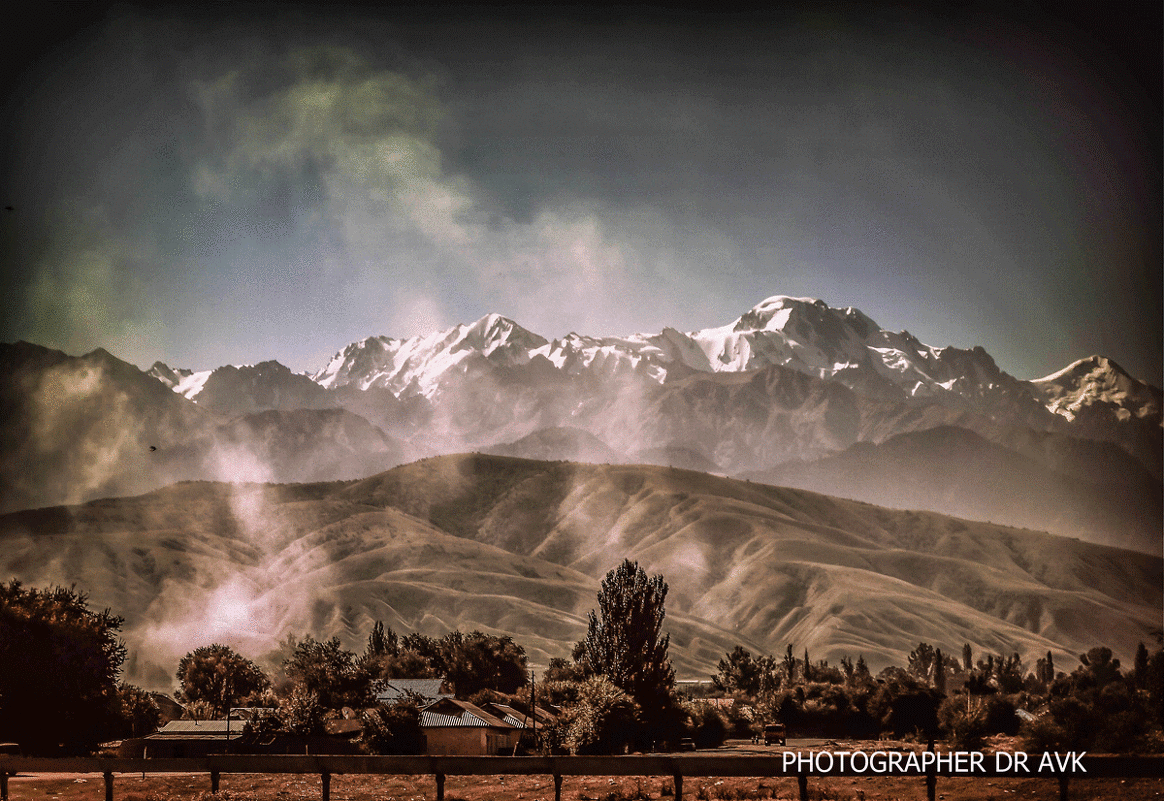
[{"x": 275, "y": 181}]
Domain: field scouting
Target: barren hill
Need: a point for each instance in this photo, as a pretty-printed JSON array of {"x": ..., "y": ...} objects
[{"x": 518, "y": 546}]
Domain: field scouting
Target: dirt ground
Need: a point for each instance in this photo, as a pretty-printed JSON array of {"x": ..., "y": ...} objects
[
  {"x": 270, "y": 787},
  {"x": 284, "y": 787}
]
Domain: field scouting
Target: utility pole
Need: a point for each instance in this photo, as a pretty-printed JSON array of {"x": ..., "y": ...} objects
[{"x": 533, "y": 709}]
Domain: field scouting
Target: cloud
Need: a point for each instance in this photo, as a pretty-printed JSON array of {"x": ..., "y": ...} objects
[
  {"x": 400, "y": 230},
  {"x": 89, "y": 280}
]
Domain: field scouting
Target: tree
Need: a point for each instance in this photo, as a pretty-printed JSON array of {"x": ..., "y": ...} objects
[
  {"x": 140, "y": 714},
  {"x": 380, "y": 643},
  {"x": 861, "y": 674},
  {"x": 921, "y": 661},
  {"x": 219, "y": 676},
  {"x": 739, "y": 672},
  {"x": 623, "y": 640},
  {"x": 59, "y": 665},
  {"x": 476, "y": 661},
  {"x": 1140, "y": 664},
  {"x": 789, "y": 666},
  {"x": 329, "y": 672}
]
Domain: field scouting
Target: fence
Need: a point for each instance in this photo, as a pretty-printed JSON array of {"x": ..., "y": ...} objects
[{"x": 675, "y": 766}]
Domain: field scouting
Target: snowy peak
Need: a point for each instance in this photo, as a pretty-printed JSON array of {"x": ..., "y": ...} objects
[
  {"x": 803, "y": 334},
  {"x": 169, "y": 376},
  {"x": 1095, "y": 382},
  {"x": 415, "y": 365},
  {"x": 774, "y": 313},
  {"x": 185, "y": 382},
  {"x": 493, "y": 333}
]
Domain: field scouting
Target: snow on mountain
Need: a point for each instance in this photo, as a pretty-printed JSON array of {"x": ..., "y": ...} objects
[
  {"x": 185, "y": 382},
  {"x": 415, "y": 365},
  {"x": 1098, "y": 382},
  {"x": 803, "y": 334}
]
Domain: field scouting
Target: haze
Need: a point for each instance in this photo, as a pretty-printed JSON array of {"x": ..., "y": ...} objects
[{"x": 231, "y": 186}]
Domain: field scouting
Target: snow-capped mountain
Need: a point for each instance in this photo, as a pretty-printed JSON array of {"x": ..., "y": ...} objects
[
  {"x": 245, "y": 388},
  {"x": 1095, "y": 383},
  {"x": 185, "y": 382},
  {"x": 1101, "y": 401},
  {"x": 803, "y": 334},
  {"x": 414, "y": 366},
  {"x": 791, "y": 379}
]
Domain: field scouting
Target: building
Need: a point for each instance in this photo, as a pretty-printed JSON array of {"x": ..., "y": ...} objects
[
  {"x": 454, "y": 727},
  {"x": 198, "y": 738},
  {"x": 185, "y": 738},
  {"x": 530, "y": 727}
]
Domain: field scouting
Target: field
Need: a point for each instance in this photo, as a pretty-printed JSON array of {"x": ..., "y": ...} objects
[
  {"x": 286, "y": 787},
  {"x": 249, "y": 787}
]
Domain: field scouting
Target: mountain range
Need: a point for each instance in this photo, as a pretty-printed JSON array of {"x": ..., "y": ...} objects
[
  {"x": 792, "y": 391},
  {"x": 799, "y": 475}
]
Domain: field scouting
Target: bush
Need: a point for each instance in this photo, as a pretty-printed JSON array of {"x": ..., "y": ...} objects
[
  {"x": 707, "y": 726},
  {"x": 393, "y": 729},
  {"x": 603, "y": 721},
  {"x": 963, "y": 720}
]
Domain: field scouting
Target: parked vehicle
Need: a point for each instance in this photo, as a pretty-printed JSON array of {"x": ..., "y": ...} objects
[{"x": 775, "y": 733}]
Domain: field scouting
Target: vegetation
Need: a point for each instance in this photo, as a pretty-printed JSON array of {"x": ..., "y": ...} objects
[
  {"x": 329, "y": 672},
  {"x": 625, "y": 640},
  {"x": 59, "y": 668},
  {"x": 220, "y": 677},
  {"x": 1097, "y": 707},
  {"x": 471, "y": 662},
  {"x": 617, "y": 694},
  {"x": 393, "y": 728}
]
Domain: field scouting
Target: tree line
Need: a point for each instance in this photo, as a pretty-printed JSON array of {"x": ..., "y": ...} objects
[
  {"x": 60, "y": 663},
  {"x": 1097, "y": 706}
]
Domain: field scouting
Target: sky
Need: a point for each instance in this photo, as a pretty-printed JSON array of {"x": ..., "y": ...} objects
[{"x": 263, "y": 181}]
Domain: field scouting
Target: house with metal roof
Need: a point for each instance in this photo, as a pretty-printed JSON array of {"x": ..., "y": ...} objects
[
  {"x": 529, "y": 726},
  {"x": 455, "y": 727},
  {"x": 188, "y": 738}
]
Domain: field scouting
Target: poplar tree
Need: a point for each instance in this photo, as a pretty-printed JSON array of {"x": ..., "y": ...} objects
[{"x": 625, "y": 641}]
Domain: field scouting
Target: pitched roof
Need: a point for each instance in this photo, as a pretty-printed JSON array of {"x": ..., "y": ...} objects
[
  {"x": 394, "y": 689},
  {"x": 520, "y": 720},
  {"x": 198, "y": 729},
  {"x": 450, "y": 712}
]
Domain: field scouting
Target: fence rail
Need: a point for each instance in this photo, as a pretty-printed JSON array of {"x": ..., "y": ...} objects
[{"x": 675, "y": 766}]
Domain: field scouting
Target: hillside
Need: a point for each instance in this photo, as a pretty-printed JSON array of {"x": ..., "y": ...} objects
[
  {"x": 518, "y": 547},
  {"x": 959, "y": 472}
]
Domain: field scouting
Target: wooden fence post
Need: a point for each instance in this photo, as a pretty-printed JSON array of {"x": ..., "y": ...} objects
[
  {"x": 440, "y": 782},
  {"x": 325, "y": 781},
  {"x": 3, "y": 786},
  {"x": 557, "y": 787},
  {"x": 214, "y": 776},
  {"x": 802, "y": 784},
  {"x": 678, "y": 786},
  {"x": 1063, "y": 787},
  {"x": 108, "y": 786}
]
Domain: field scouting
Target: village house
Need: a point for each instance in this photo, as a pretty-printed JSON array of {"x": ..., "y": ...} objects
[
  {"x": 455, "y": 727},
  {"x": 184, "y": 738}
]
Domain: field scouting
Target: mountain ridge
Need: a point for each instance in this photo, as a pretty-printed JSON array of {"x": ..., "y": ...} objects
[{"x": 518, "y": 546}]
